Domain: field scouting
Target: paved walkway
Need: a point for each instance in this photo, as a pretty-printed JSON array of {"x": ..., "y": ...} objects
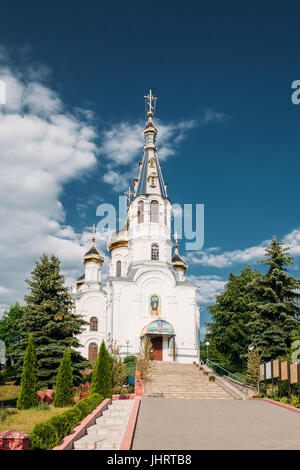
[{"x": 178, "y": 424}]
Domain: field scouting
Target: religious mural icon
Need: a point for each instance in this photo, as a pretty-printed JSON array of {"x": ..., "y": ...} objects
[{"x": 154, "y": 305}]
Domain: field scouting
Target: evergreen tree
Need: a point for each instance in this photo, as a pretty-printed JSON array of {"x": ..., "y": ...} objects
[
  {"x": 11, "y": 330},
  {"x": 102, "y": 375},
  {"x": 64, "y": 389},
  {"x": 49, "y": 316},
  {"x": 276, "y": 316},
  {"x": 229, "y": 330},
  {"x": 28, "y": 393}
]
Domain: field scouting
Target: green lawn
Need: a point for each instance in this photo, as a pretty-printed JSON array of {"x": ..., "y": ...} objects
[
  {"x": 25, "y": 420},
  {"x": 9, "y": 394}
]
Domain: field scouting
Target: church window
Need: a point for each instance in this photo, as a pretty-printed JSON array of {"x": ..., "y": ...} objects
[
  {"x": 94, "y": 324},
  {"x": 140, "y": 212},
  {"x": 154, "y": 252},
  {"x": 93, "y": 352},
  {"x": 152, "y": 164},
  {"x": 154, "y": 212},
  {"x": 118, "y": 269}
]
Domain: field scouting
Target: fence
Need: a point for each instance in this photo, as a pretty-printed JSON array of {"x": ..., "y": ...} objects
[{"x": 279, "y": 372}]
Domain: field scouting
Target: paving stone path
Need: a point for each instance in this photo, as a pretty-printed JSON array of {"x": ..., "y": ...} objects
[{"x": 178, "y": 424}]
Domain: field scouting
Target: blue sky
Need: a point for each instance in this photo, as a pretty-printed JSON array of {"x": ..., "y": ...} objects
[{"x": 222, "y": 72}]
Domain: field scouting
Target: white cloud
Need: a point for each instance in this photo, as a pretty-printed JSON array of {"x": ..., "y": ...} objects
[
  {"x": 123, "y": 142},
  {"x": 211, "y": 257},
  {"x": 209, "y": 287},
  {"x": 43, "y": 146}
]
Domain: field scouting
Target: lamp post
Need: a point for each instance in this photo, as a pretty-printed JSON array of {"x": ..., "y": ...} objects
[
  {"x": 207, "y": 344},
  {"x": 127, "y": 342}
]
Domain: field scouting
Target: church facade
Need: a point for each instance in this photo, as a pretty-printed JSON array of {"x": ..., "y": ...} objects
[{"x": 146, "y": 293}]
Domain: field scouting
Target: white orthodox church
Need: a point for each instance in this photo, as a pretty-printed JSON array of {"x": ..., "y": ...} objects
[{"x": 146, "y": 292}]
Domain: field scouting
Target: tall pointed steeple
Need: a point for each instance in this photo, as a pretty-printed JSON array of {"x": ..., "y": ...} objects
[{"x": 150, "y": 179}]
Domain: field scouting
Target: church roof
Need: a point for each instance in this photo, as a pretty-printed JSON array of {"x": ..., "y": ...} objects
[
  {"x": 150, "y": 168},
  {"x": 177, "y": 261},
  {"x": 93, "y": 254}
]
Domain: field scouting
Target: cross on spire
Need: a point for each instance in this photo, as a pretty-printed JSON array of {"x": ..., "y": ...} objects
[
  {"x": 176, "y": 238},
  {"x": 128, "y": 193},
  {"x": 149, "y": 99},
  {"x": 93, "y": 229}
]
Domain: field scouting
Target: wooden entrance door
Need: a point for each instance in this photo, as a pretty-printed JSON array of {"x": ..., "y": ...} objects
[{"x": 157, "y": 348}]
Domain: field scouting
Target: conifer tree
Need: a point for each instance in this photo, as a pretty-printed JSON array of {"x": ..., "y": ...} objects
[
  {"x": 229, "y": 331},
  {"x": 50, "y": 317},
  {"x": 28, "y": 393},
  {"x": 11, "y": 331},
  {"x": 276, "y": 308},
  {"x": 64, "y": 389},
  {"x": 102, "y": 375}
]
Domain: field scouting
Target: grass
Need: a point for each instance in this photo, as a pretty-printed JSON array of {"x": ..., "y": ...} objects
[
  {"x": 9, "y": 394},
  {"x": 25, "y": 420}
]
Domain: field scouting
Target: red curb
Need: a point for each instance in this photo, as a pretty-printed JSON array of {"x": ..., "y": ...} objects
[
  {"x": 128, "y": 436},
  {"x": 80, "y": 430},
  {"x": 283, "y": 405}
]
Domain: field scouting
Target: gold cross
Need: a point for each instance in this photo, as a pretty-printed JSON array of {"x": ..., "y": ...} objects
[
  {"x": 149, "y": 99},
  {"x": 176, "y": 237},
  {"x": 128, "y": 194},
  {"x": 93, "y": 229}
]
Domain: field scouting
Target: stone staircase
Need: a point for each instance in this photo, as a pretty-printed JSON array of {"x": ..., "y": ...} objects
[
  {"x": 109, "y": 429},
  {"x": 173, "y": 380}
]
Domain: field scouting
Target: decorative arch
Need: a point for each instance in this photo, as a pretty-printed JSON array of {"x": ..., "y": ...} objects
[
  {"x": 93, "y": 352},
  {"x": 118, "y": 268},
  {"x": 140, "y": 212},
  {"x": 94, "y": 324},
  {"x": 154, "y": 211}
]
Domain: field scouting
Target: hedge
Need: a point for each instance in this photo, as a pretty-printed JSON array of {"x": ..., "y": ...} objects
[{"x": 48, "y": 434}]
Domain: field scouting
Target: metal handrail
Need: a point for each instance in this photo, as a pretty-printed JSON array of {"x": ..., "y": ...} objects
[{"x": 230, "y": 374}]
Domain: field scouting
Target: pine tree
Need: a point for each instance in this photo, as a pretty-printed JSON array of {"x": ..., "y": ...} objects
[
  {"x": 64, "y": 389},
  {"x": 276, "y": 308},
  {"x": 28, "y": 393},
  {"x": 228, "y": 332},
  {"x": 11, "y": 331},
  {"x": 102, "y": 375},
  {"x": 50, "y": 317}
]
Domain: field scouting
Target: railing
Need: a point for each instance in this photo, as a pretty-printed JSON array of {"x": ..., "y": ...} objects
[{"x": 222, "y": 371}]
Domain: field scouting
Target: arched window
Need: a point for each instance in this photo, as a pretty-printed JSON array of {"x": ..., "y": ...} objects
[
  {"x": 140, "y": 212},
  {"x": 118, "y": 268},
  {"x": 155, "y": 252},
  {"x": 94, "y": 324},
  {"x": 152, "y": 164},
  {"x": 154, "y": 212},
  {"x": 93, "y": 352}
]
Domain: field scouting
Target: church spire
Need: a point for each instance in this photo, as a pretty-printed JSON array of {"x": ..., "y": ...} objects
[{"x": 150, "y": 179}]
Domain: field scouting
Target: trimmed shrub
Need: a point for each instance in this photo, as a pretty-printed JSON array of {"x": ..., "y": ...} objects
[
  {"x": 48, "y": 434},
  {"x": 64, "y": 389},
  {"x": 130, "y": 359},
  {"x": 284, "y": 400},
  {"x": 102, "y": 375},
  {"x": 28, "y": 397},
  {"x": 44, "y": 436}
]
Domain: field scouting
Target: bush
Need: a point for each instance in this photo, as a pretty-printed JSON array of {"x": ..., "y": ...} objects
[
  {"x": 44, "y": 436},
  {"x": 130, "y": 359},
  {"x": 259, "y": 395},
  {"x": 294, "y": 401},
  {"x": 102, "y": 374},
  {"x": 284, "y": 400},
  {"x": 64, "y": 389},
  {"x": 48, "y": 434},
  {"x": 28, "y": 397}
]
